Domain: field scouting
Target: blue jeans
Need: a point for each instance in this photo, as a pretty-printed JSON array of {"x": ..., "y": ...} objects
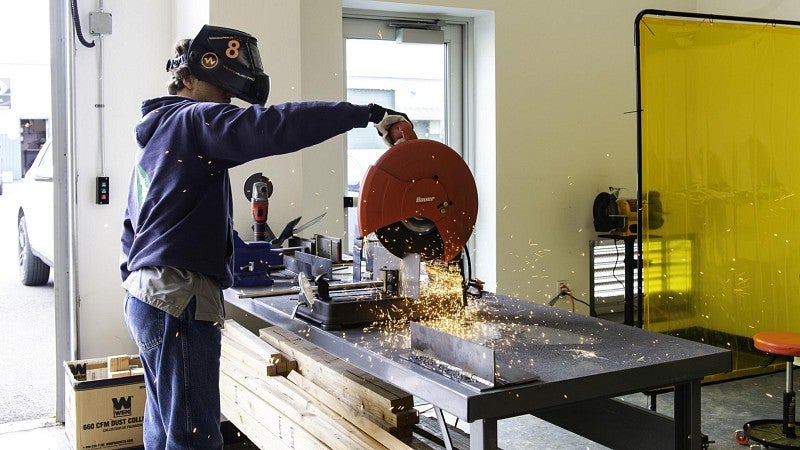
[{"x": 181, "y": 365}]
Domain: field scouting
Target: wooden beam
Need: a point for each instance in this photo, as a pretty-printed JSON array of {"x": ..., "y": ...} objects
[
  {"x": 247, "y": 409},
  {"x": 249, "y": 340},
  {"x": 392, "y": 411},
  {"x": 292, "y": 393},
  {"x": 235, "y": 351},
  {"x": 366, "y": 407},
  {"x": 250, "y": 426},
  {"x": 297, "y": 410},
  {"x": 296, "y": 341},
  {"x": 346, "y": 412}
]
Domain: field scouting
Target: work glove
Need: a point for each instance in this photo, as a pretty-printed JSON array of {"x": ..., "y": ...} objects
[{"x": 383, "y": 119}]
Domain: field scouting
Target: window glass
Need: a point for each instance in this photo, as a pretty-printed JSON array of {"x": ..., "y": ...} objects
[
  {"x": 408, "y": 78},
  {"x": 423, "y": 80}
]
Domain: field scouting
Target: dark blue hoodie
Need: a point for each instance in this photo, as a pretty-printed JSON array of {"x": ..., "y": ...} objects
[{"x": 179, "y": 211}]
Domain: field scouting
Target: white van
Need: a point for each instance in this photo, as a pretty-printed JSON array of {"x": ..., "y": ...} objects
[{"x": 35, "y": 220}]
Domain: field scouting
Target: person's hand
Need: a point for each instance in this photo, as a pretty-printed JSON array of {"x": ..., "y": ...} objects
[{"x": 384, "y": 118}]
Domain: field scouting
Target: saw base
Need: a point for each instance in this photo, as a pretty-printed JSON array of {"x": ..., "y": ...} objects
[{"x": 355, "y": 311}]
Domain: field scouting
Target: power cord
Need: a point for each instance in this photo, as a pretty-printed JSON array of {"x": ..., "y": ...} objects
[
  {"x": 473, "y": 287},
  {"x": 564, "y": 291},
  {"x": 76, "y": 20}
]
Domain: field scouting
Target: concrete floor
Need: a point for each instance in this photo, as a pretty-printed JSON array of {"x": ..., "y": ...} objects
[
  {"x": 28, "y": 368},
  {"x": 725, "y": 408}
]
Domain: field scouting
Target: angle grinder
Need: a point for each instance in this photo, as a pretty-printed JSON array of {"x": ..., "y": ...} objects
[{"x": 260, "y": 207}]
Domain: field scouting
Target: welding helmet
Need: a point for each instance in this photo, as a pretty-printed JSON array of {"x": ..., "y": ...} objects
[{"x": 229, "y": 59}]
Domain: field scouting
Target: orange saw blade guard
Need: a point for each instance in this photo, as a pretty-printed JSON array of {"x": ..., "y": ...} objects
[{"x": 419, "y": 197}]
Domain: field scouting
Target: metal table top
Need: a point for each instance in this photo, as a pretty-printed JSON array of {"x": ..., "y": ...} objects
[{"x": 575, "y": 357}]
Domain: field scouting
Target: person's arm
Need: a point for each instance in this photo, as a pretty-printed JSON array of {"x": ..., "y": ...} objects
[{"x": 233, "y": 135}]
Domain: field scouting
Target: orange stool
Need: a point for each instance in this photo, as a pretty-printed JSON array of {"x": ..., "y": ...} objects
[{"x": 777, "y": 433}]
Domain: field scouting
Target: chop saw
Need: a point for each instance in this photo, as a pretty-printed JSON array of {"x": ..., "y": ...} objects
[
  {"x": 419, "y": 197},
  {"x": 421, "y": 202}
]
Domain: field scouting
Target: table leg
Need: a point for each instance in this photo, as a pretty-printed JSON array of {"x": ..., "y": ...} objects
[
  {"x": 448, "y": 443},
  {"x": 483, "y": 434},
  {"x": 687, "y": 416}
]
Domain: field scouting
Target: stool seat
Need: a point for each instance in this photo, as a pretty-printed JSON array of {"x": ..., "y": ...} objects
[
  {"x": 784, "y": 343},
  {"x": 776, "y": 433}
]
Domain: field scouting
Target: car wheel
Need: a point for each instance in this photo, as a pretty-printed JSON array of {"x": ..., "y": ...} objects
[{"x": 32, "y": 270}]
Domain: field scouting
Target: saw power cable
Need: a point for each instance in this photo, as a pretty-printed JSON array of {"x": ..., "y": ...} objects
[
  {"x": 616, "y": 264},
  {"x": 565, "y": 291},
  {"x": 472, "y": 286}
]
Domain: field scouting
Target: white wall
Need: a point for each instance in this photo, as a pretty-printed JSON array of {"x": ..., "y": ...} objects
[
  {"x": 134, "y": 58},
  {"x": 301, "y": 48},
  {"x": 564, "y": 90},
  {"x": 277, "y": 26},
  {"x": 552, "y": 132},
  {"x": 556, "y": 84}
]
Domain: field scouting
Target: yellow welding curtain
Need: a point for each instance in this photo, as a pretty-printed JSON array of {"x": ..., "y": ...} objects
[{"x": 720, "y": 143}]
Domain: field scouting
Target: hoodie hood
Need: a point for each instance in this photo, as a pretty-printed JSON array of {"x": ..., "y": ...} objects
[{"x": 153, "y": 111}]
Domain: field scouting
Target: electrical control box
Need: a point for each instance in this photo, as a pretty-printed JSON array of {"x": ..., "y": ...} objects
[
  {"x": 99, "y": 23},
  {"x": 102, "y": 190}
]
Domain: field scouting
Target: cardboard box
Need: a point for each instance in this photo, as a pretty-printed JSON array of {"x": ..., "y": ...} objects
[{"x": 103, "y": 412}]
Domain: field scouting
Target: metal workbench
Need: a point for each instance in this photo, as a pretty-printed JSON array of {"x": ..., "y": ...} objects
[{"x": 582, "y": 363}]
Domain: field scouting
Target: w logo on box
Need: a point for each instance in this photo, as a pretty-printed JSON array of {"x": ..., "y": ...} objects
[
  {"x": 78, "y": 371},
  {"x": 122, "y": 406}
]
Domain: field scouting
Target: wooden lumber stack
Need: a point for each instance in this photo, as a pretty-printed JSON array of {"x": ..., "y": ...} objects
[
  {"x": 249, "y": 353},
  {"x": 389, "y": 407},
  {"x": 282, "y": 397}
]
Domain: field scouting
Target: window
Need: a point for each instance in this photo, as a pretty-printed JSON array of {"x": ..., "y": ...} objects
[
  {"x": 607, "y": 275},
  {"x": 412, "y": 66},
  {"x": 668, "y": 278}
]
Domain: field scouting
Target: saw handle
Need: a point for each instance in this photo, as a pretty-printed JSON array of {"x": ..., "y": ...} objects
[{"x": 401, "y": 130}]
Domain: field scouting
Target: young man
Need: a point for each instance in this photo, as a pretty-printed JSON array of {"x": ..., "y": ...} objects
[{"x": 177, "y": 230}]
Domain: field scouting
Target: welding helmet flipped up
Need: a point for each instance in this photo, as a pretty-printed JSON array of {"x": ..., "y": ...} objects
[{"x": 229, "y": 59}]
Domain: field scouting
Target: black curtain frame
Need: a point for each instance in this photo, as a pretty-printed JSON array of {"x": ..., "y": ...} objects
[{"x": 639, "y": 197}]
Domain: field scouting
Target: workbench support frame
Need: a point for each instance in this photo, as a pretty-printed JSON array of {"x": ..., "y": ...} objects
[
  {"x": 448, "y": 442},
  {"x": 593, "y": 393},
  {"x": 483, "y": 434},
  {"x": 600, "y": 420},
  {"x": 687, "y": 426}
]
